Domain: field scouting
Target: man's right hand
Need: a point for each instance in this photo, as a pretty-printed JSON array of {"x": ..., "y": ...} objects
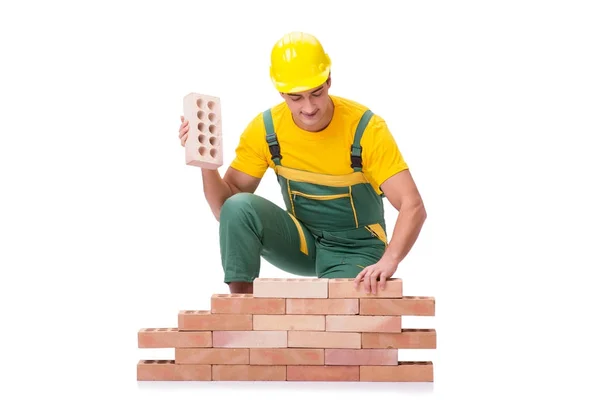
[{"x": 183, "y": 130}]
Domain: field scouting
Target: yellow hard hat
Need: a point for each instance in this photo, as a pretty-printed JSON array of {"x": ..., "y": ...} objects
[{"x": 298, "y": 63}]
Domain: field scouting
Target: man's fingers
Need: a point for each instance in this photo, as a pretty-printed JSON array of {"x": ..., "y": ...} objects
[
  {"x": 382, "y": 279},
  {"x": 374, "y": 282},
  {"x": 358, "y": 279},
  {"x": 367, "y": 280}
]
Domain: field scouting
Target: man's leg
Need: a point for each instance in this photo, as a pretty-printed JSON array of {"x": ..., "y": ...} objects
[{"x": 252, "y": 226}]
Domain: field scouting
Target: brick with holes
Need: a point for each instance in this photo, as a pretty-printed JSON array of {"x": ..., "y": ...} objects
[
  {"x": 167, "y": 370},
  {"x": 204, "y": 144},
  {"x": 172, "y": 338},
  {"x": 203, "y": 320},
  {"x": 243, "y": 303}
]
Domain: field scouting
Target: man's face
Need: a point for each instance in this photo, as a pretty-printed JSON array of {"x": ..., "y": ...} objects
[{"x": 311, "y": 109}]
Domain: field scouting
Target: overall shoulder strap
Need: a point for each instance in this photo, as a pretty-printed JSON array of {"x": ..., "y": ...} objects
[
  {"x": 272, "y": 137},
  {"x": 356, "y": 148}
]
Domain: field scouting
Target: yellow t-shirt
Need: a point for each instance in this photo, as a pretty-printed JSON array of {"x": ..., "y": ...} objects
[{"x": 324, "y": 152}]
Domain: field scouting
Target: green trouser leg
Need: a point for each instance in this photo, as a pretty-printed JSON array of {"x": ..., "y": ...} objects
[
  {"x": 345, "y": 254},
  {"x": 250, "y": 227}
]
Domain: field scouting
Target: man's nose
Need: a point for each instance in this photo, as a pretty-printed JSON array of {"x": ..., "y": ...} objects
[{"x": 309, "y": 106}]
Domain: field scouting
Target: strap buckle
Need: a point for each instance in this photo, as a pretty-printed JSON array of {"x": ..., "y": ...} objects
[
  {"x": 355, "y": 156},
  {"x": 275, "y": 151}
]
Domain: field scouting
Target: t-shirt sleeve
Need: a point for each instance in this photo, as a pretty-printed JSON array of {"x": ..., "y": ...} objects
[
  {"x": 381, "y": 156},
  {"x": 249, "y": 154}
]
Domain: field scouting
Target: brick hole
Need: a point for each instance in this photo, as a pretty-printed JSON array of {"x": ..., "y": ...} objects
[
  {"x": 213, "y": 153},
  {"x": 212, "y": 140},
  {"x": 199, "y": 102},
  {"x": 201, "y": 127},
  {"x": 211, "y": 105},
  {"x": 163, "y": 362},
  {"x": 200, "y": 114},
  {"x": 149, "y": 329},
  {"x": 202, "y": 138},
  {"x": 212, "y": 117},
  {"x": 212, "y": 128},
  {"x": 162, "y": 329},
  {"x": 202, "y": 150},
  {"x": 190, "y": 312},
  {"x": 149, "y": 361}
]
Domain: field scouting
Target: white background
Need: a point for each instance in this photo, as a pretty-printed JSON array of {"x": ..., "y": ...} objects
[{"x": 104, "y": 229}]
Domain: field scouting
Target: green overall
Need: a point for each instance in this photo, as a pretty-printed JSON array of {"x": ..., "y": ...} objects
[{"x": 332, "y": 227}]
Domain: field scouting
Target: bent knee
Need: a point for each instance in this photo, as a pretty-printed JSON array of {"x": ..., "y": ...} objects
[{"x": 239, "y": 203}]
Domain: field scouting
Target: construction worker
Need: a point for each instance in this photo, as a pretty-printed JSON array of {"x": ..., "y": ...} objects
[{"x": 335, "y": 161}]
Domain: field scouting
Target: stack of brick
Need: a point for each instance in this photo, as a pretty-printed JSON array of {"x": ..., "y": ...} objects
[{"x": 295, "y": 330}]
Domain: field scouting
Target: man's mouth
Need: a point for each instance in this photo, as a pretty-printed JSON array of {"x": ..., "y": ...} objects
[{"x": 310, "y": 115}]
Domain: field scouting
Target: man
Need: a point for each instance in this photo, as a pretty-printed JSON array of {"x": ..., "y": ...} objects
[{"x": 335, "y": 161}]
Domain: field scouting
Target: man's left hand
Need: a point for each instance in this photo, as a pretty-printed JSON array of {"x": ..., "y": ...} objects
[{"x": 381, "y": 271}]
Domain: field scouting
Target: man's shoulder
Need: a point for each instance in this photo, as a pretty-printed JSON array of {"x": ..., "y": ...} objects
[
  {"x": 353, "y": 111},
  {"x": 350, "y": 106}
]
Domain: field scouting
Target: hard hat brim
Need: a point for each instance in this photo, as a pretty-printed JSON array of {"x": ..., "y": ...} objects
[{"x": 303, "y": 86}]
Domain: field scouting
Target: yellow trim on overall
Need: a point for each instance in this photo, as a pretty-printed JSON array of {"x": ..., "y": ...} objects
[
  {"x": 319, "y": 196},
  {"x": 321, "y": 179},
  {"x": 377, "y": 231},
  {"x": 352, "y": 204},
  {"x": 303, "y": 246},
  {"x": 291, "y": 200}
]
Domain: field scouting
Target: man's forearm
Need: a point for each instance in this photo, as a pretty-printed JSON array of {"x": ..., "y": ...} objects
[
  {"x": 216, "y": 190},
  {"x": 406, "y": 231}
]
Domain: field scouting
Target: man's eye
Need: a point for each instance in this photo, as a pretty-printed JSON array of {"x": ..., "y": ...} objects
[{"x": 317, "y": 94}]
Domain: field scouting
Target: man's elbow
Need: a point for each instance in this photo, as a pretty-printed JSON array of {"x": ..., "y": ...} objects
[{"x": 419, "y": 211}]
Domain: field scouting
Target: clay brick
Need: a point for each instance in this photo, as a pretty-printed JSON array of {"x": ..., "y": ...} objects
[
  {"x": 243, "y": 303},
  {"x": 343, "y": 288},
  {"x": 290, "y": 288},
  {"x": 405, "y": 371},
  {"x": 323, "y": 339},
  {"x": 212, "y": 356},
  {"x": 250, "y": 339},
  {"x": 323, "y": 373},
  {"x": 202, "y": 320},
  {"x": 363, "y": 323},
  {"x": 361, "y": 356},
  {"x": 288, "y": 322},
  {"x": 407, "y": 339},
  {"x": 249, "y": 373},
  {"x": 287, "y": 356},
  {"x": 203, "y": 147},
  {"x": 408, "y": 305},
  {"x": 167, "y": 370},
  {"x": 171, "y": 338},
  {"x": 322, "y": 306}
]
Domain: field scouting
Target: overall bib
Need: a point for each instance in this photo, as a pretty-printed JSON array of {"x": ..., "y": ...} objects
[{"x": 332, "y": 227}]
